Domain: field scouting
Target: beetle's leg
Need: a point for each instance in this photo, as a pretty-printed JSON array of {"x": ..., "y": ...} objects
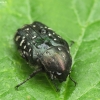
[
  {"x": 72, "y": 80},
  {"x": 72, "y": 42},
  {"x": 30, "y": 76},
  {"x": 57, "y": 89}
]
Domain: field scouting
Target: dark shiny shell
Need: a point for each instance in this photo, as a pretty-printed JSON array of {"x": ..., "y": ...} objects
[{"x": 40, "y": 45}]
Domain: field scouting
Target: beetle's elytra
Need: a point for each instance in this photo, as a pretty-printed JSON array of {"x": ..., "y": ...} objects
[{"x": 40, "y": 45}]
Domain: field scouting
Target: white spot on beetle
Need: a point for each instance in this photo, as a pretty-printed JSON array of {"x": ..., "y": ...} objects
[
  {"x": 59, "y": 36},
  {"x": 34, "y": 32},
  {"x": 28, "y": 43},
  {"x": 68, "y": 51},
  {"x": 53, "y": 60},
  {"x": 49, "y": 28},
  {"x": 58, "y": 73},
  {"x": 23, "y": 52},
  {"x": 41, "y": 26},
  {"x": 51, "y": 76},
  {"x": 23, "y": 37},
  {"x": 53, "y": 72},
  {"x": 33, "y": 37},
  {"x": 63, "y": 56},
  {"x": 27, "y": 29},
  {"x": 55, "y": 39},
  {"x": 25, "y": 47},
  {"x": 49, "y": 34},
  {"x": 17, "y": 38},
  {"x": 59, "y": 49},
  {"x": 26, "y": 34},
  {"x": 29, "y": 50},
  {"x": 33, "y": 42},
  {"x": 53, "y": 33},
  {"x": 34, "y": 25},
  {"x": 21, "y": 42},
  {"x": 55, "y": 77}
]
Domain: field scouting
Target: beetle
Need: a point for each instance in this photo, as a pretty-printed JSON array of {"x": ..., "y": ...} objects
[{"x": 40, "y": 45}]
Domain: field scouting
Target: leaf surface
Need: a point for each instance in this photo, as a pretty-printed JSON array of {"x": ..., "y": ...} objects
[{"x": 77, "y": 20}]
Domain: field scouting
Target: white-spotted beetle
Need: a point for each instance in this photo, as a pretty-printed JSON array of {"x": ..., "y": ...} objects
[{"x": 40, "y": 45}]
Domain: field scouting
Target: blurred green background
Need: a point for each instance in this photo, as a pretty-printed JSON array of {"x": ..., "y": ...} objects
[{"x": 77, "y": 20}]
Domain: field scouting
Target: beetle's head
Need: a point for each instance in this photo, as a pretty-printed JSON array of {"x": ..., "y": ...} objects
[{"x": 57, "y": 62}]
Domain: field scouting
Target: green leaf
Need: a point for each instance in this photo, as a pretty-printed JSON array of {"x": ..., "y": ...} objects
[{"x": 77, "y": 20}]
